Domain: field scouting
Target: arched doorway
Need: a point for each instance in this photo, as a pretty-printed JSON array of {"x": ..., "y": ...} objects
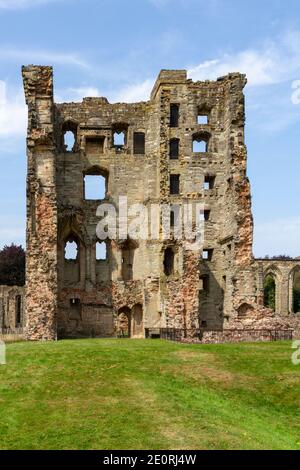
[
  {"x": 295, "y": 290},
  {"x": 270, "y": 291},
  {"x": 124, "y": 323},
  {"x": 137, "y": 321}
]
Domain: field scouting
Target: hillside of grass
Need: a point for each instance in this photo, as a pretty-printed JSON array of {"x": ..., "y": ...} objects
[{"x": 149, "y": 394}]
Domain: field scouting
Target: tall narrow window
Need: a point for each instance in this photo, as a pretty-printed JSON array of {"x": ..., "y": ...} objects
[
  {"x": 139, "y": 143},
  {"x": 174, "y": 184},
  {"x": 205, "y": 283},
  {"x": 69, "y": 136},
  {"x": 69, "y": 141},
  {"x": 209, "y": 182},
  {"x": 169, "y": 261},
  {"x": 174, "y": 149},
  {"x": 127, "y": 262},
  {"x": 101, "y": 251},
  {"x": 174, "y": 115},
  {"x": 18, "y": 310}
]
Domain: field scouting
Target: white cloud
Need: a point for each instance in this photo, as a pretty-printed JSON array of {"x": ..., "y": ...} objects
[
  {"x": 134, "y": 93},
  {"x": 75, "y": 94},
  {"x": 21, "y": 4},
  {"x": 41, "y": 56},
  {"x": 272, "y": 63},
  {"x": 277, "y": 237},
  {"x": 13, "y": 113}
]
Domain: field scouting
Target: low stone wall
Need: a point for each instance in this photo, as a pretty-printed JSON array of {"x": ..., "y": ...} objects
[
  {"x": 245, "y": 336},
  {"x": 12, "y": 335}
]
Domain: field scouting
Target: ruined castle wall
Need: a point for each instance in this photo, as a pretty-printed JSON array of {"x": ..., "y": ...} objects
[{"x": 154, "y": 283}]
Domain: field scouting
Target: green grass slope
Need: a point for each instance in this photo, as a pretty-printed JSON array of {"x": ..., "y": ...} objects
[{"x": 147, "y": 394}]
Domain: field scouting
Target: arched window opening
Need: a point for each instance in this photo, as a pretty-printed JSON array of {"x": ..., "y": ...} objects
[
  {"x": 101, "y": 251},
  {"x": 71, "y": 250},
  {"x": 69, "y": 132},
  {"x": 245, "y": 310},
  {"x": 124, "y": 322},
  {"x": 69, "y": 141},
  {"x": 119, "y": 139},
  {"x": 296, "y": 292},
  {"x": 200, "y": 142},
  {"x": 119, "y": 132},
  {"x": 270, "y": 292},
  {"x": 169, "y": 257}
]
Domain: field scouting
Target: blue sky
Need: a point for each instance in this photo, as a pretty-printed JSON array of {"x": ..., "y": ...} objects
[{"x": 116, "y": 48}]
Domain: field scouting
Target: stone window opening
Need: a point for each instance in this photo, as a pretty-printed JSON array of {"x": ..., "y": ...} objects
[
  {"x": 270, "y": 291},
  {"x": 202, "y": 119},
  {"x": 296, "y": 291},
  {"x": 139, "y": 143},
  {"x": 95, "y": 184},
  {"x": 69, "y": 132},
  {"x": 209, "y": 182},
  {"x": 174, "y": 149},
  {"x": 174, "y": 184},
  {"x": 174, "y": 115},
  {"x": 200, "y": 142},
  {"x": 18, "y": 311},
  {"x": 207, "y": 254},
  {"x": 205, "y": 215},
  {"x": 120, "y": 136},
  {"x": 75, "y": 309},
  {"x": 169, "y": 258},
  {"x": 205, "y": 283},
  {"x": 101, "y": 251},
  {"x": 71, "y": 250},
  {"x": 127, "y": 261},
  {"x": 94, "y": 145}
]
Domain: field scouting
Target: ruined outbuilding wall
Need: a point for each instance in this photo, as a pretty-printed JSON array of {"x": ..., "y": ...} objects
[{"x": 12, "y": 312}]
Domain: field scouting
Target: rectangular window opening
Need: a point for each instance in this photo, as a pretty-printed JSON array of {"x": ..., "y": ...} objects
[
  {"x": 207, "y": 254},
  {"x": 174, "y": 149},
  {"x": 209, "y": 182},
  {"x": 94, "y": 187},
  {"x": 174, "y": 115},
  {"x": 139, "y": 143},
  {"x": 174, "y": 184},
  {"x": 202, "y": 119},
  {"x": 94, "y": 145}
]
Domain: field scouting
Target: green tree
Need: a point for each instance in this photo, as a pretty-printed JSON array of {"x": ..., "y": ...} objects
[{"x": 12, "y": 266}]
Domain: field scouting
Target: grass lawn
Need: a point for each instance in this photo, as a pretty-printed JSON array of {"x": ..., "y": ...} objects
[{"x": 149, "y": 394}]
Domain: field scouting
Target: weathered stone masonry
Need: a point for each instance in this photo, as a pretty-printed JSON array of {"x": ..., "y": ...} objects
[{"x": 150, "y": 283}]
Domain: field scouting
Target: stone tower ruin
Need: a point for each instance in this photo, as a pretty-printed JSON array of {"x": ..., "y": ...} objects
[{"x": 184, "y": 145}]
